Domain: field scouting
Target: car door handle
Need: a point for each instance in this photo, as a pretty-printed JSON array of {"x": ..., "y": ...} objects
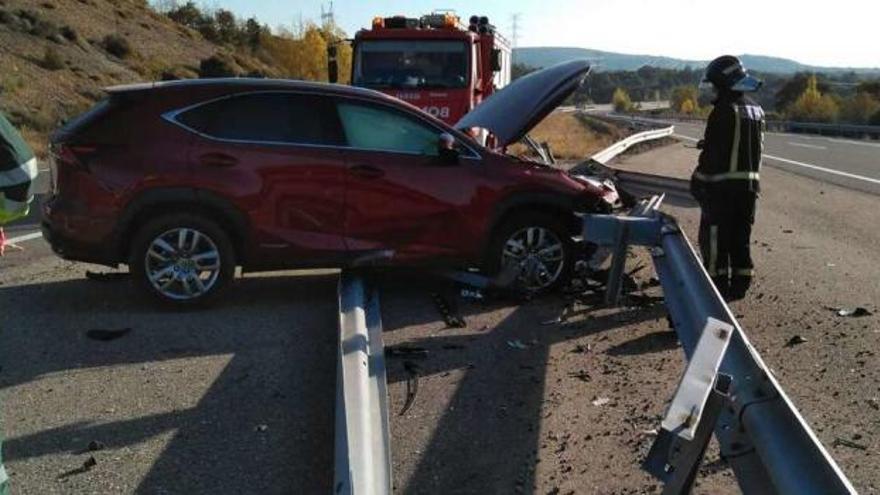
[
  {"x": 220, "y": 160},
  {"x": 366, "y": 171}
]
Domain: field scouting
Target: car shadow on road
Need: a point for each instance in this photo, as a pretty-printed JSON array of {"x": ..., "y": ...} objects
[
  {"x": 486, "y": 438},
  {"x": 264, "y": 425}
]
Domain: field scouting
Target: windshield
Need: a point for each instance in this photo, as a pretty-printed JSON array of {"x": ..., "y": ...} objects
[{"x": 411, "y": 64}]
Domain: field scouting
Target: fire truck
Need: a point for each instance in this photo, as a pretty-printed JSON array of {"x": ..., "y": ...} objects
[{"x": 434, "y": 62}]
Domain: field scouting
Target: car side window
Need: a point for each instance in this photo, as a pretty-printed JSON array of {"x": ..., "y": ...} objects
[
  {"x": 376, "y": 128},
  {"x": 268, "y": 118}
]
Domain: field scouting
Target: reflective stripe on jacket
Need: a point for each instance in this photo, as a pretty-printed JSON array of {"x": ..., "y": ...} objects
[{"x": 732, "y": 147}]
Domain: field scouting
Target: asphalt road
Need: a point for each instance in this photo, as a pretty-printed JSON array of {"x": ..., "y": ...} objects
[
  {"x": 239, "y": 398},
  {"x": 851, "y": 163}
]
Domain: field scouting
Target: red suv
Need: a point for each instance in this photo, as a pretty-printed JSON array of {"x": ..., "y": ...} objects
[{"x": 184, "y": 181}]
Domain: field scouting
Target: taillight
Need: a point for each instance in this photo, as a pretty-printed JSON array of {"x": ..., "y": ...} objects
[{"x": 73, "y": 155}]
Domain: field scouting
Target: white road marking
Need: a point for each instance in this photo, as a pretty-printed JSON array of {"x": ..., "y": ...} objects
[
  {"x": 823, "y": 169},
  {"x": 24, "y": 238},
  {"x": 805, "y": 145},
  {"x": 808, "y": 165}
]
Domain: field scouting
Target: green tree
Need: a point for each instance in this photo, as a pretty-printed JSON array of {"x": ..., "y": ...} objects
[
  {"x": 621, "y": 101},
  {"x": 859, "y": 108},
  {"x": 227, "y": 27},
  {"x": 813, "y": 106}
]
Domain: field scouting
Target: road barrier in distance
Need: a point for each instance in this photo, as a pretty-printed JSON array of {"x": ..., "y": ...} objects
[{"x": 619, "y": 147}]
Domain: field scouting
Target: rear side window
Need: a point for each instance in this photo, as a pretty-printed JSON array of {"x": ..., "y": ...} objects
[
  {"x": 376, "y": 128},
  {"x": 268, "y": 118}
]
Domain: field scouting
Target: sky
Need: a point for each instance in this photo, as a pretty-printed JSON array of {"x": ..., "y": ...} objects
[{"x": 836, "y": 34}]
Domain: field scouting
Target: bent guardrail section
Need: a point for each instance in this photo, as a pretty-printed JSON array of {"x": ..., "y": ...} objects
[
  {"x": 363, "y": 446},
  {"x": 619, "y": 147},
  {"x": 762, "y": 435}
]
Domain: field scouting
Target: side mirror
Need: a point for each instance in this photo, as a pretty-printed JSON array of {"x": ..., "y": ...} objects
[
  {"x": 701, "y": 144},
  {"x": 495, "y": 60},
  {"x": 446, "y": 149}
]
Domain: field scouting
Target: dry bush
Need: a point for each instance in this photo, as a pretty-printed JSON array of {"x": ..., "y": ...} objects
[
  {"x": 569, "y": 137},
  {"x": 52, "y": 60},
  {"x": 117, "y": 45}
]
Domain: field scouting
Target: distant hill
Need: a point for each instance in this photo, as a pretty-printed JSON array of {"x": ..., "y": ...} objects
[{"x": 610, "y": 61}]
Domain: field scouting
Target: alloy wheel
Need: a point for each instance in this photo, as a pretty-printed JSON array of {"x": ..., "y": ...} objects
[
  {"x": 538, "y": 254},
  {"x": 182, "y": 263}
]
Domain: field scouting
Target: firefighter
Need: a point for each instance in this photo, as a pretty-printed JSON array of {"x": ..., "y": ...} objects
[
  {"x": 726, "y": 180},
  {"x": 18, "y": 170}
]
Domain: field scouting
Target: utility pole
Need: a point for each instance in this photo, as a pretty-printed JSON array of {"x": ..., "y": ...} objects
[
  {"x": 327, "y": 18},
  {"x": 514, "y": 32}
]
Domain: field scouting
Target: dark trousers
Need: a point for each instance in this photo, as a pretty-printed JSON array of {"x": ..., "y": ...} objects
[{"x": 725, "y": 240}]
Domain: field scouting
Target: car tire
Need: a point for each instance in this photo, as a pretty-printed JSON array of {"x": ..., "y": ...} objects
[
  {"x": 534, "y": 258},
  {"x": 182, "y": 259}
]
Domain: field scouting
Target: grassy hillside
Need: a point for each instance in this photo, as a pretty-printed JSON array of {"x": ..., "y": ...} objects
[
  {"x": 610, "y": 61},
  {"x": 56, "y": 55}
]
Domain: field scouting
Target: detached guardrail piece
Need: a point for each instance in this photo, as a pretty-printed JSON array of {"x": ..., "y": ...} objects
[
  {"x": 363, "y": 446},
  {"x": 619, "y": 147},
  {"x": 770, "y": 447}
]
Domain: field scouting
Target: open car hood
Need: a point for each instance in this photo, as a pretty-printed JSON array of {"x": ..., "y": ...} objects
[{"x": 512, "y": 112}]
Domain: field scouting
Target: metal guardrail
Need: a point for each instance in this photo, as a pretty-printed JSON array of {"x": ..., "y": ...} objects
[
  {"x": 363, "y": 445},
  {"x": 770, "y": 447},
  {"x": 787, "y": 126},
  {"x": 619, "y": 147}
]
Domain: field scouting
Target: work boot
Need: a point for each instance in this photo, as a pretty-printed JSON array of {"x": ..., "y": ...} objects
[
  {"x": 739, "y": 286},
  {"x": 722, "y": 283}
]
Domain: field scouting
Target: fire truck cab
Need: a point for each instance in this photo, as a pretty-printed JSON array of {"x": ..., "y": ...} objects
[{"x": 434, "y": 62}]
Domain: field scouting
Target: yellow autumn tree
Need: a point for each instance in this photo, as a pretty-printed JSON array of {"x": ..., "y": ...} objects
[
  {"x": 687, "y": 107},
  {"x": 621, "y": 101},
  {"x": 813, "y": 106},
  {"x": 303, "y": 54}
]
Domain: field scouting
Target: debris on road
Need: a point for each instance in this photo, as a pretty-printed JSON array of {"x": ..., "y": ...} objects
[
  {"x": 795, "y": 340},
  {"x": 516, "y": 344},
  {"x": 582, "y": 375},
  {"x": 475, "y": 294},
  {"x": 405, "y": 351},
  {"x": 453, "y": 347},
  {"x": 848, "y": 443},
  {"x": 582, "y": 349},
  {"x": 261, "y": 428},
  {"x": 601, "y": 401},
  {"x": 450, "y": 317},
  {"x": 107, "y": 276},
  {"x": 106, "y": 335},
  {"x": 412, "y": 386},
  {"x": 851, "y": 312},
  {"x": 87, "y": 466}
]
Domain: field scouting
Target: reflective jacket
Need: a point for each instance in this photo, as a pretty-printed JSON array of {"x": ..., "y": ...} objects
[
  {"x": 18, "y": 170},
  {"x": 732, "y": 148}
]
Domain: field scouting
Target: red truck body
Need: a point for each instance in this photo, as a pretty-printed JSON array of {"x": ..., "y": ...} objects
[{"x": 436, "y": 63}]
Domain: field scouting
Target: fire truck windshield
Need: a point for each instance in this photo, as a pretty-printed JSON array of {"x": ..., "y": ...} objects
[{"x": 411, "y": 64}]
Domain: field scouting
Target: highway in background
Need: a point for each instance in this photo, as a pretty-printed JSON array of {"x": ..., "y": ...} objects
[{"x": 850, "y": 163}]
